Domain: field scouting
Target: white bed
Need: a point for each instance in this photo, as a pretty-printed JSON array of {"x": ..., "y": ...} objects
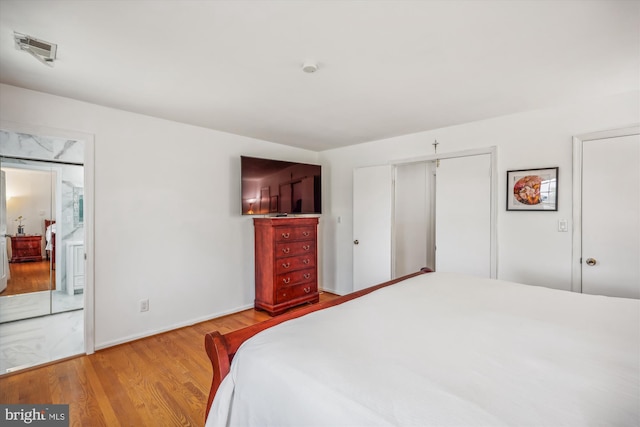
[{"x": 447, "y": 350}]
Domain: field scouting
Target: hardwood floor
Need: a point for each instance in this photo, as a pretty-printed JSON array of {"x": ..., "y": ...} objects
[
  {"x": 161, "y": 380},
  {"x": 29, "y": 277}
]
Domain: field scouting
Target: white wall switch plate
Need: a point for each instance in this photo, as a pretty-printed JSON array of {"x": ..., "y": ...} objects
[{"x": 563, "y": 225}]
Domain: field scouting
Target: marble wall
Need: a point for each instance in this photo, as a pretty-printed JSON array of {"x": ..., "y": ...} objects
[{"x": 35, "y": 147}]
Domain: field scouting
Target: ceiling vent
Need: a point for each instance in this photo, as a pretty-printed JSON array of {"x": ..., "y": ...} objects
[{"x": 43, "y": 51}]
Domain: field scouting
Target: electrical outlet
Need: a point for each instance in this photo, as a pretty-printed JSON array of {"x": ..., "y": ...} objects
[{"x": 144, "y": 305}]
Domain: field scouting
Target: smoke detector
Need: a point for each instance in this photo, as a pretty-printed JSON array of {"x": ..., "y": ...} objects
[
  {"x": 309, "y": 67},
  {"x": 43, "y": 51}
]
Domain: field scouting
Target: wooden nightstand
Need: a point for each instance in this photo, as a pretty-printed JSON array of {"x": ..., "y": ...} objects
[{"x": 26, "y": 248}]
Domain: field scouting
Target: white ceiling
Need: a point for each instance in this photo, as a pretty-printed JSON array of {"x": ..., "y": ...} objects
[{"x": 386, "y": 68}]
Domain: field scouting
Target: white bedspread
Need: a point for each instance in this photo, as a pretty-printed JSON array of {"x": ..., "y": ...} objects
[{"x": 443, "y": 350}]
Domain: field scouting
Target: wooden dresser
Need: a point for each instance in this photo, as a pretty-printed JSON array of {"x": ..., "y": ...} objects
[
  {"x": 286, "y": 263},
  {"x": 26, "y": 248}
]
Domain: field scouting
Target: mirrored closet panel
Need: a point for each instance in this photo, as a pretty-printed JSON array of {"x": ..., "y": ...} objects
[{"x": 42, "y": 252}]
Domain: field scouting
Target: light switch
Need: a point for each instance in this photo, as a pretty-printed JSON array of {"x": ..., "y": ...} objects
[{"x": 563, "y": 225}]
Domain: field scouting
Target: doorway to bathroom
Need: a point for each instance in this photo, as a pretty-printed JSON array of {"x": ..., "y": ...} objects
[{"x": 42, "y": 250}]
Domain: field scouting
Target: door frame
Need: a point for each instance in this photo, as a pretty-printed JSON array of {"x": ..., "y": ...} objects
[
  {"x": 88, "y": 204},
  {"x": 493, "y": 153},
  {"x": 576, "y": 250}
]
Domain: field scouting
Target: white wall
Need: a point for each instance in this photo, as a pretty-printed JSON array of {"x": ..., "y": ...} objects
[
  {"x": 29, "y": 194},
  {"x": 530, "y": 249},
  {"x": 167, "y": 213},
  {"x": 167, "y": 203}
]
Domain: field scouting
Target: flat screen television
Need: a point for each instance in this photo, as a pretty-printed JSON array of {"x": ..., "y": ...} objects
[{"x": 277, "y": 187}]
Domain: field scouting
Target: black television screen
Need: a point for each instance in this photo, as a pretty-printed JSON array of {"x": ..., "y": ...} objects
[{"x": 272, "y": 187}]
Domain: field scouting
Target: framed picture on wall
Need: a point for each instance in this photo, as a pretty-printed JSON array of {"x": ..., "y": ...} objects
[{"x": 532, "y": 189}]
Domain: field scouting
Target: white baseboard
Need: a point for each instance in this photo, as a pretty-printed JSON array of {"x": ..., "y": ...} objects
[{"x": 170, "y": 328}]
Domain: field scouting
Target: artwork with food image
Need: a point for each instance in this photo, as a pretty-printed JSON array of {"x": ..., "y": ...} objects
[{"x": 532, "y": 189}]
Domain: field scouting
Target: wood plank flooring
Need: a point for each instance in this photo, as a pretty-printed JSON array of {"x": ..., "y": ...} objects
[
  {"x": 27, "y": 277},
  {"x": 162, "y": 380}
]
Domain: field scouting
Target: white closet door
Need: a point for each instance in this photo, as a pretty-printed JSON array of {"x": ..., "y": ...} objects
[
  {"x": 611, "y": 217},
  {"x": 372, "y": 198},
  {"x": 463, "y": 215}
]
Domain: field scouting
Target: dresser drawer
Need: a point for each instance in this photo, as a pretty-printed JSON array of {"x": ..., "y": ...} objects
[
  {"x": 295, "y": 248},
  {"x": 297, "y": 291},
  {"x": 27, "y": 243},
  {"x": 284, "y": 265},
  {"x": 295, "y": 277},
  {"x": 287, "y": 234}
]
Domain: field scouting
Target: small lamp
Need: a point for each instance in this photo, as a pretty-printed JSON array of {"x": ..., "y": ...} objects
[{"x": 251, "y": 202}]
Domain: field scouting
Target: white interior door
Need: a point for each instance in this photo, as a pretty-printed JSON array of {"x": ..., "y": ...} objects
[
  {"x": 463, "y": 215},
  {"x": 611, "y": 216},
  {"x": 4, "y": 261},
  {"x": 372, "y": 201}
]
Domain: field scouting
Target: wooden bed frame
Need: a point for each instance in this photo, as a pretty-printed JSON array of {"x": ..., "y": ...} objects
[{"x": 222, "y": 348}]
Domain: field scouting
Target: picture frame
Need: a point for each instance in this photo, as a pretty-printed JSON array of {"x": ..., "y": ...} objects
[{"x": 532, "y": 189}]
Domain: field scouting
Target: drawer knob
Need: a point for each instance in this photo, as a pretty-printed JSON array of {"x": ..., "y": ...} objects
[
  {"x": 286, "y": 265},
  {"x": 285, "y": 235},
  {"x": 306, "y": 247},
  {"x": 286, "y": 250},
  {"x": 307, "y": 275},
  {"x": 287, "y": 280},
  {"x": 305, "y": 233},
  {"x": 307, "y": 289},
  {"x": 305, "y": 261}
]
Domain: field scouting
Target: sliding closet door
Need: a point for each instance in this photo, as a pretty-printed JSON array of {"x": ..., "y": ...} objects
[
  {"x": 463, "y": 215},
  {"x": 27, "y": 200}
]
